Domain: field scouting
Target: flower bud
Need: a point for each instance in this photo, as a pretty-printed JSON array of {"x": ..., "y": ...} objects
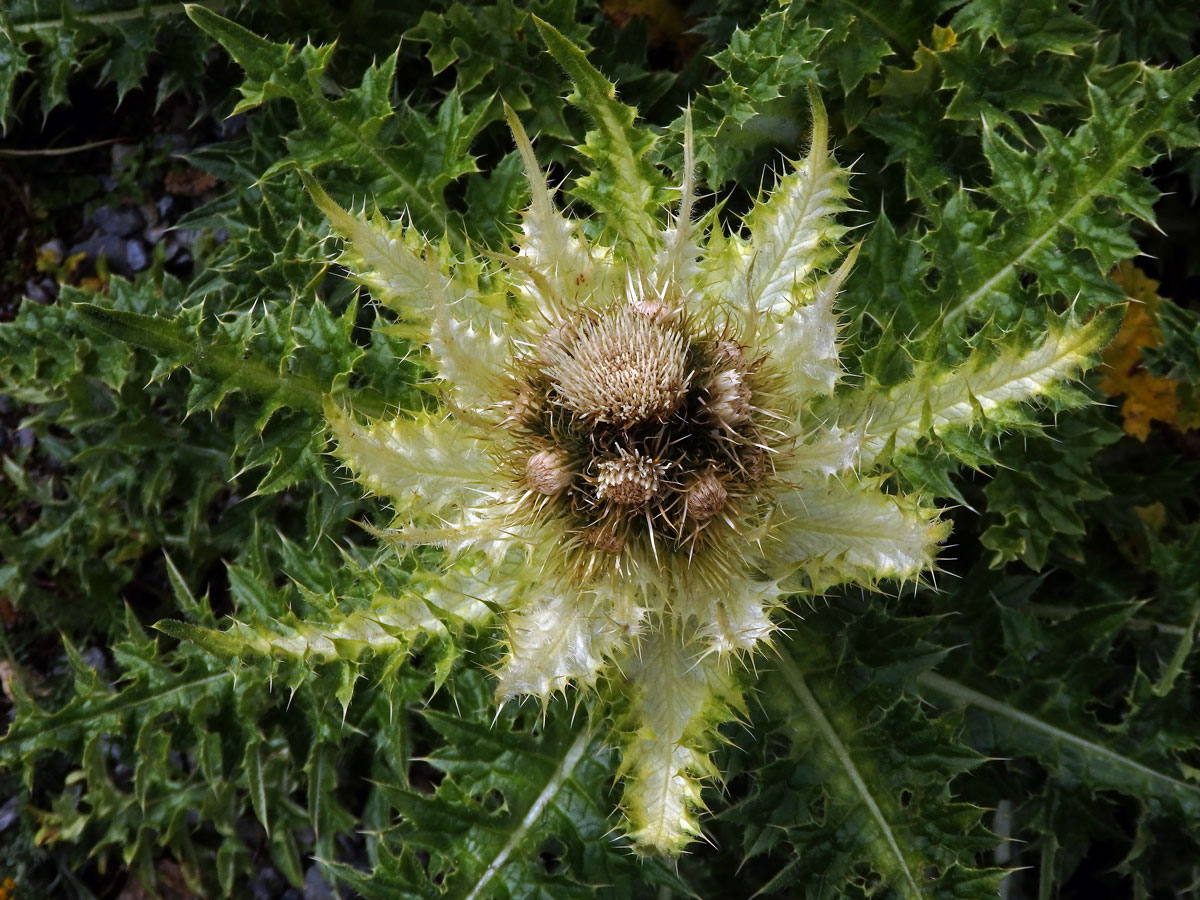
[
  {"x": 729, "y": 398},
  {"x": 548, "y": 472},
  {"x": 705, "y": 497},
  {"x": 630, "y": 480}
]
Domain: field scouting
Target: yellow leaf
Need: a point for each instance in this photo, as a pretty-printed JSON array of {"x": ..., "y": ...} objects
[
  {"x": 1148, "y": 397},
  {"x": 943, "y": 38},
  {"x": 1153, "y": 516}
]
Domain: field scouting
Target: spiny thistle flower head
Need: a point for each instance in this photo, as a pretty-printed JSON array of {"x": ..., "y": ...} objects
[
  {"x": 620, "y": 369},
  {"x": 643, "y": 448},
  {"x": 634, "y": 426}
]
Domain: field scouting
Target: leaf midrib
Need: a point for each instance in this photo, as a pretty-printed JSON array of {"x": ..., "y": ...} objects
[
  {"x": 562, "y": 772},
  {"x": 795, "y": 680},
  {"x": 1090, "y": 193},
  {"x": 154, "y": 11},
  {"x": 958, "y": 691},
  {"x": 117, "y": 704}
]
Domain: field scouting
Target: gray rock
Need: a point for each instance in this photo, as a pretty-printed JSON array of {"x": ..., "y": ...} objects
[
  {"x": 136, "y": 256},
  {"x": 121, "y": 221},
  {"x": 41, "y": 290},
  {"x": 315, "y": 885},
  {"x": 120, "y": 154},
  {"x": 109, "y": 246},
  {"x": 11, "y": 810}
]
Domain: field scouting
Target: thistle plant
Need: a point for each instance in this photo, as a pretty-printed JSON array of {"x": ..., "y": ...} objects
[
  {"x": 645, "y": 442},
  {"x": 487, "y": 496}
]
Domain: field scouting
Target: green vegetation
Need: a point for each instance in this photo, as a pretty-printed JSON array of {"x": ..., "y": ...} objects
[{"x": 227, "y": 672}]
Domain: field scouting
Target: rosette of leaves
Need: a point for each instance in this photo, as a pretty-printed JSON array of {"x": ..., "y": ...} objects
[{"x": 646, "y": 442}]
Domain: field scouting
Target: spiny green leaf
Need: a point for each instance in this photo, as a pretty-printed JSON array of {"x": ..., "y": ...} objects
[
  {"x": 1061, "y": 472},
  {"x": 867, "y": 804},
  {"x": 1007, "y": 729},
  {"x": 509, "y": 792},
  {"x": 218, "y": 643},
  {"x": 254, "y": 777},
  {"x": 759, "y": 103},
  {"x": 357, "y": 129},
  {"x": 173, "y": 343},
  {"x": 623, "y": 182},
  {"x": 117, "y": 36},
  {"x": 488, "y": 48},
  {"x": 1061, "y": 191},
  {"x": 316, "y": 350},
  {"x": 1038, "y": 27}
]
